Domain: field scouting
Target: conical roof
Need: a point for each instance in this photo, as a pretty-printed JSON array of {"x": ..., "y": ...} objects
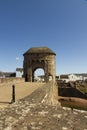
[{"x": 39, "y": 50}]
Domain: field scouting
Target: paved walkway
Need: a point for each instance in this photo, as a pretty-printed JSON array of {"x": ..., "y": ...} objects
[
  {"x": 30, "y": 113},
  {"x": 21, "y": 90}
]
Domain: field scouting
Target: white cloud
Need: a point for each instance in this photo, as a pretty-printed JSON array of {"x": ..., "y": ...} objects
[{"x": 17, "y": 58}]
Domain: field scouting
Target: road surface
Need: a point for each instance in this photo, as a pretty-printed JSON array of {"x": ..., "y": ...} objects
[{"x": 21, "y": 90}]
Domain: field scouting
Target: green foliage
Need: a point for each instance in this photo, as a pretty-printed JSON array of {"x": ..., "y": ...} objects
[{"x": 83, "y": 88}]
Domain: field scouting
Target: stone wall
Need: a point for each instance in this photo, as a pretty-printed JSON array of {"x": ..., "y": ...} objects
[
  {"x": 8, "y": 80},
  {"x": 35, "y": 61},
  {"x": 71, "y": 92}
]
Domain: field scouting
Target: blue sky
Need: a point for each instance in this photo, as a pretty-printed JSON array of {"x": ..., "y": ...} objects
[{"x": 59, "y": 24}]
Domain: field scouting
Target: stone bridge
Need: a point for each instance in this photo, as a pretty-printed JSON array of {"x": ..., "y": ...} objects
[{"x": 38, "y": 111}]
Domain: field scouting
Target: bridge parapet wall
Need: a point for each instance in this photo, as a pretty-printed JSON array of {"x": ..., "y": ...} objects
[{"x": 11, "y": 80}]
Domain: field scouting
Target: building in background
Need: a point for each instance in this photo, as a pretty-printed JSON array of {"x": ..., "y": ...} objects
[
  {"x": 19, "y": 72},
  {"x": 7, "y": 74},
  {"x": 2, "y": 75},
  {"x": 73, "y": 77}
]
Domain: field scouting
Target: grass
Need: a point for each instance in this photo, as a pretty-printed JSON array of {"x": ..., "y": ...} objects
[{"x": 83, "y": 88}]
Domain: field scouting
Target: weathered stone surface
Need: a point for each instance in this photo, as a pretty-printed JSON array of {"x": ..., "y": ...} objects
[
  {"x": 39, "y": 57},
  {"x": 28, "y": 114},
  {"x": 10, "y": 80}
]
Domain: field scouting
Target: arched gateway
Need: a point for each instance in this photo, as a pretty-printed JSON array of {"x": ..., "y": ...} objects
[{"x": 39, "y": 57}]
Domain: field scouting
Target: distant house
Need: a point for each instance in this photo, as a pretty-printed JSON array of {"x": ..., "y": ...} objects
[
  {"x": 39, "y": 78},
  {"x": 7, "y": 74},
  {"x": 2, "y": 75},
  {"x": 82, "y": 76},
  {"x": 64, "y": 77},
  {"x": 73, "y": 77},
  {"x": 85, "y": 76},
  {"x": 19, "y": 72}
]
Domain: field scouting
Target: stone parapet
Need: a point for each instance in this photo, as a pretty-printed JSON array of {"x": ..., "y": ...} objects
[{"x": 11, "y": 80}]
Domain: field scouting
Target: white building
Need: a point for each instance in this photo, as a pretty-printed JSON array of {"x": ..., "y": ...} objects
[
  {"x": 64, "y": 77},
  {"x": 73, "y": 77},
  {"x": 19, "y": 72},
  {"x": 2, "y": 75}
]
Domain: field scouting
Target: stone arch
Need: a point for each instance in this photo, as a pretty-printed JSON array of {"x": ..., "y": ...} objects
[
  {"x": 41, "y": 73},
  {"x": 39, "y": 57}
]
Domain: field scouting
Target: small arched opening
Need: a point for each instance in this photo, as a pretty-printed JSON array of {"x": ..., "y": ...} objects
[{"x": 39, "y": 75}]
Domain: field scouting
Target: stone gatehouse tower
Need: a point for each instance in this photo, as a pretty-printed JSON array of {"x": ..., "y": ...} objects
[{"x": 39, "y": 57}]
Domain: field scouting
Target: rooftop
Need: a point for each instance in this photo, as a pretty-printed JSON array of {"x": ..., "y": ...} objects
[{"x": 34, "y": 50}]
